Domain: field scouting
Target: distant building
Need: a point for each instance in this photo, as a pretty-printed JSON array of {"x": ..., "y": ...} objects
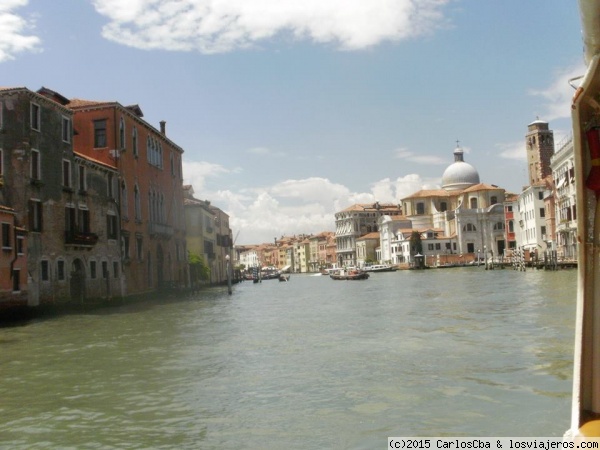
[
  {"x": 563, "y": 173},
  {"x": 208, "y": 234},
  {"x": 356, "y": 221},
  {"x": 470, "y": 212},
  {"x": 540, "y": 148}
]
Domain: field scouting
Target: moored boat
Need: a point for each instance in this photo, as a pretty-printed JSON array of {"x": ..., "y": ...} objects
[{"x": 380, "y": 268}]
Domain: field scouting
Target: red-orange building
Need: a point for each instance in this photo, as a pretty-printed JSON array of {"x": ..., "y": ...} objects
[{"x": 148, "y": 219}]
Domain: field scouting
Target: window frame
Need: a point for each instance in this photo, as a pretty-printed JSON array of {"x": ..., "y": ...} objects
[
  {"x": 35, "y": 116},
  {"x": 35, "y": 165},
  {"x": 6, "y": 236},
  {"x": 66, "y": 129},
  {"x": 100, "y": 133},
  {"x": 67, "y": 172}
]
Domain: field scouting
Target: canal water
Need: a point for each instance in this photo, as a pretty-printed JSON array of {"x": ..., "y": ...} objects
[{"x": 308, "y": 364}]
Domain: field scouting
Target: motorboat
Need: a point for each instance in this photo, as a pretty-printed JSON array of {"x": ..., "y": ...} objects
[{"x": 380, "y": 268}]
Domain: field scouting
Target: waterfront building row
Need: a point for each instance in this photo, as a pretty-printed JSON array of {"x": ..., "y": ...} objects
[
  {"x": 91, "y": 202},
  {"x": 466, "y": 220},
  {"x": 296, "y": 254}
]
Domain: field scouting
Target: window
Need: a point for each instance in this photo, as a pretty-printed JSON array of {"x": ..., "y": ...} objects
[
  {"x": 125, "y": 246},
  {"x": 124, "y": 201},
  {"x": 60, "y": 270},
  {"x": 1, "y": 161},
  {"x": 93, "y": 270},
  {"x": 35, "y": 215},
  {"x": 111, "y": 226},
  {"x": 16, "y": 277},
  {"x": 438, "y": 246},
  {"x": 420, "y": 208},
  {"x": 429, "y": 246},
  {"x": 139, "y": 247},
  {"x": 134, "y": 143},
  {"x": 45, "y": 270},
  {"x": 6, "y": 236},
  {"x": 543, "y": 230},
  {"x": 66, "y": 129},
  {"x": 542, "y": 212},
  {"x": 473, "y": 203},
  {"x": 138, "y": 203},
  {"x": 443, "y": 206},
  {"x": 541, "y": 195},
  {"x": 122, "y": 134},
  {"x": 115, "y": 269},
  {"x": 104, "y": 270},
  {"x": 469, "y": 227},
  {"x": 20, "y": 245},
  {"x": 66, "y": 173},
  {"x": 470, "y": 247},
  {"x": 493, "y": 200},
  {"x": 509, "y": 208},
  {"x": 70, "y": 215},
  {"x": 82, "y": 178},
  {"x": 35, "y": 116},
  {"x": 100, "y": 133},
  {"x": 35, "y": 165},
  {"x": 83, "y": 216}
]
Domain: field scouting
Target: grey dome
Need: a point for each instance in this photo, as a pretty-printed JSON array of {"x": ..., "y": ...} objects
[{"x": 459, "y": 175}]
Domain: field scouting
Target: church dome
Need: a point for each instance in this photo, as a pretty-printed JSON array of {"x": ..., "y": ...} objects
[{"x": 459, "y": 175}]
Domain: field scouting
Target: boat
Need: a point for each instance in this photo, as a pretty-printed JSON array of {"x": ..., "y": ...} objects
[
  {"x": 585, "y": 117},
  {"x": 351, "y": 274},
  {"x": 380, "y": 268}
]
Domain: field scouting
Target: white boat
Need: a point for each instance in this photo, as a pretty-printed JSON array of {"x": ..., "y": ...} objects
[{"x": 380, "y": 268}]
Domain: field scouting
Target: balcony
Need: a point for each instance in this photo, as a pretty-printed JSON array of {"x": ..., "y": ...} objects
[
  {"x": 160, "y": 229},
  {"x": 80, "y": 239}
]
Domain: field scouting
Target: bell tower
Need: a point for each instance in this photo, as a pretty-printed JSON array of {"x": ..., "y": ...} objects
[{"x": 539, "y": 141}]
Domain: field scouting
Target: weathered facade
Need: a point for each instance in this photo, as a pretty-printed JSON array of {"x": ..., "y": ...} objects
[
  {"x": 60, "y": 198},
  {"x": 148, "y": 216}
]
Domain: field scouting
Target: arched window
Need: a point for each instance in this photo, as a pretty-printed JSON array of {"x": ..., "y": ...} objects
[
  {"x": 511, "y": 227},
  {"x": 124, "y": 201},
  {"x": 469, "y": 227},
  {"x": 499, "y": 226},
  {"x": 138, "y": 203},
  {"x": 134, "y": 142},
  {"x": 122, "y": 134}
]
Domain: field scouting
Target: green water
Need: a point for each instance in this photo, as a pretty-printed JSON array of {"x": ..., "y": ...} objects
[{"x": 309, "y": 364}]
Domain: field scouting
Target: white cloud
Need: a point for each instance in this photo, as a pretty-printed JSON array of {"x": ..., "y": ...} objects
[
  {"x": 512, "y": 150},
  {"x": 13, "y": 29},
  {"x": 558, "y": 95},
  {"x": 215, "y": 26},
  {"x": 264, "y": 151},
  {"x": 402, "y": 153},
  {"x": 196, "y": 173},
  {"x": 310, "y": 204}
]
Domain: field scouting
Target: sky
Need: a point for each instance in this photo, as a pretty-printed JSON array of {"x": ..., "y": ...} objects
[{"x": 289, "y": 111}]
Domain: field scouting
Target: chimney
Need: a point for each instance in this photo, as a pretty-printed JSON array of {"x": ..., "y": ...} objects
[{"x": 163, "y": 128}]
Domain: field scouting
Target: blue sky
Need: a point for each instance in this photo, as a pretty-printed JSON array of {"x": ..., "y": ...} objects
[{"x": 290, "y": 111}]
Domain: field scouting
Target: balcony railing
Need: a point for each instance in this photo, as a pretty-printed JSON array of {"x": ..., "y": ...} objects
[
  {"x": 160, "y": 229},
  {"x": 80, "y": 238}
]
